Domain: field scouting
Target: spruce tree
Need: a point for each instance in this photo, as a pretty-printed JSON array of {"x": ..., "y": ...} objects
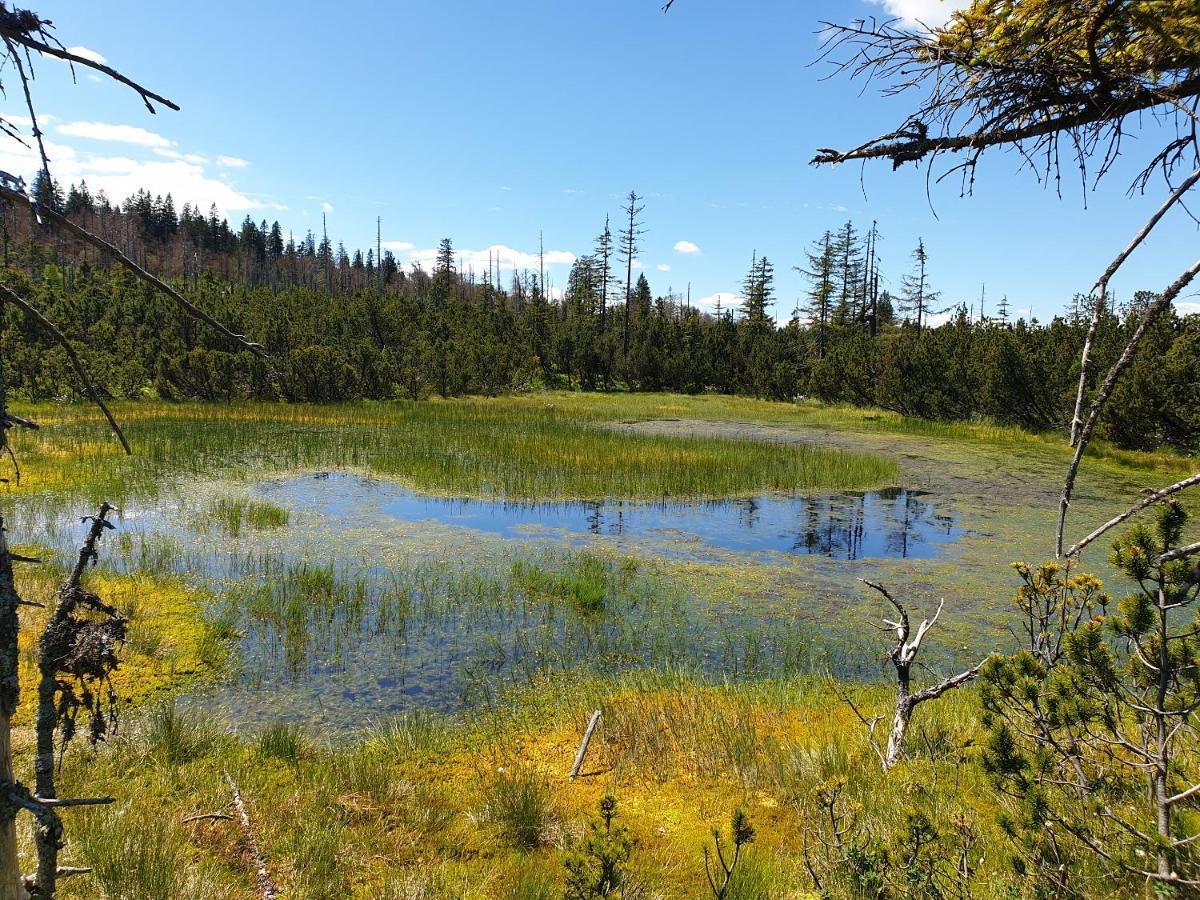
[{"x": 917, "y": 300}]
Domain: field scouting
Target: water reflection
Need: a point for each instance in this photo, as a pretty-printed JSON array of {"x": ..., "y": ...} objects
[{"x": 893, "y": 523}]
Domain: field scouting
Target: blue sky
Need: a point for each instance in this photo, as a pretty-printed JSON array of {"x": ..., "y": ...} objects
[{"x": 488, "y": 122}]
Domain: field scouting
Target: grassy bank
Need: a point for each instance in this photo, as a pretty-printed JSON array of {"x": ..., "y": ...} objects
[
  {"x": 481, "y": 807},
  {"x": 515, "y": 448}
]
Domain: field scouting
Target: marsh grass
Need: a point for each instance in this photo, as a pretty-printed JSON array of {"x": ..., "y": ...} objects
[
  {"x": 232, "y": 514},
  {"x": 518, "y": 449},
  {"x": 283, "y": 741},
  {"x": 519, "y": 801},
  {"x": 466, "y": 806},
  {"x": 171, "y": 737}
]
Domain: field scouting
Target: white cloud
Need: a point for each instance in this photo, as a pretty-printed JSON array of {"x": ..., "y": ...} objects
[
  {"x": 931, "y": 13},
  {"x": 686, "y": 247},
  {"x": 232, "y": 162},
  {"x": 104, "y": 131},
  {"x": 197, "y": 159},
  {"x": 326, "y": 207},
  {"x": 571, "y": 191},
  {"x": 20, "y": 120},
  {"x": 121, "y": 176},
  {"x": 1188, "y": 308},
  {"x": 87, "y": 53},
  {"x": 505, "y": 256},
  {"x": 663, "y": 267},
  {"x": 936, "y": 320},
  {"x": 399, "y": 246},
  {"x": 725, "y": 298}
]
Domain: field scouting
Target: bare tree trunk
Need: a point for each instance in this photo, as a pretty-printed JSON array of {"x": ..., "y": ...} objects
[
  {"x": 10, "y": 884},
  {"x": 903, "y": 655},
  {"x": 49, "y": 840},
  {"x": 900, "y": 720}
]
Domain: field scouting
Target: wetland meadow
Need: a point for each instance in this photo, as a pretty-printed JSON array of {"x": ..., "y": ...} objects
[{"x": 392, "y": 621}]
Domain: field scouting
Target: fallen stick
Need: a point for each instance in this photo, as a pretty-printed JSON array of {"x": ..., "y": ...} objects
[
  {"x": 262, "y": 877},
  {"x": 583, "y": 747}
]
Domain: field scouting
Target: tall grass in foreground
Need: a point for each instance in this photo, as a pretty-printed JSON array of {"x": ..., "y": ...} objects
[
  {"x": 508, "y": 448},
  {"x": 478, "y": 805}
]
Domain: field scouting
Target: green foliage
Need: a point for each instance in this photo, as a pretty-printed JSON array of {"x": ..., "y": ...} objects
[
  {"x": 1101, "y": 700},
  {"x": 600, "y": 868},
  {"x": 520, "y": 802},
  {"x": 721, "y": 865}
]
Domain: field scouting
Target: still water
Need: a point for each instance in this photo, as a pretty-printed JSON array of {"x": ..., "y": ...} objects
[
  {"x": 893, "y": 523},
  {"x": 375, "y": 600}
]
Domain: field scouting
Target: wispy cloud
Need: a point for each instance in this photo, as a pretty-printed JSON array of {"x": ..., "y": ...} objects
[
  {"x": 663, "y": 267},
  {"x": 724, "y": 298},
  {"x": 686, "y": 247},
  {"x": 162, "y": 169},
  {"x": 498, "y": 254},
  {"x": 198, "y": 159},
  {"x": 232, "y": 162},
  {"x": 399, "y": 246},
  {"x": 122, "y": 134},
  {"x": 88, "y": 53},
  {"x": 326, "y": 206},
  {"x": 930, "y": 13}
]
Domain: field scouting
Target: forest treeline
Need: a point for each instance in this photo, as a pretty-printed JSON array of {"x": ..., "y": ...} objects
[{"x": 342, "y": 326}]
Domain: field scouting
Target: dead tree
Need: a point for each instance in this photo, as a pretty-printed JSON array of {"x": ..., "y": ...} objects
[
  {"x": 76, "y": 655},
  {"x": 26, "y": 36},
  {"x": 903, "y": 655}
]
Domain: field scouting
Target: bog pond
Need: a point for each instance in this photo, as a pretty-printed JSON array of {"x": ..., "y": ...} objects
[{"x": 354, "y": 598}]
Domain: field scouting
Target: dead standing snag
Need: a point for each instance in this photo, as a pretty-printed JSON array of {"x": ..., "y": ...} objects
[
  {"x": 903, "y": 655},
  {"x": 92, "y": 639}
]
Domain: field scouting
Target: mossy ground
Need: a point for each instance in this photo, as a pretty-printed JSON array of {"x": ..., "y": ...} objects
[{"x": 407, "y": 809}]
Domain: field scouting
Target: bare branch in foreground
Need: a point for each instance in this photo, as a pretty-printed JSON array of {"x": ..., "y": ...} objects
[
  {"x": 1149, "y": 500},
  {"x": 1153, "y": 311},
  {"x": 76, "y": 363},
  {"x": 1100, "y": 290},
  {"x": 262, "y": 875},
  {"x": 54, "y": 217}
]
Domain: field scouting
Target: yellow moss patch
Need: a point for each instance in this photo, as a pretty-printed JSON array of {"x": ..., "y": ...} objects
[{"x": 169, "y": 643}]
